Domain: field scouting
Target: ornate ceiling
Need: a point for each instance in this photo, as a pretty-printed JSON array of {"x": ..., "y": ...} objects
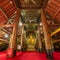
[
  {"x": 29, "y": 3},
  {"x": 30, "y": 15},
  {"x": 30, "y": 11}
]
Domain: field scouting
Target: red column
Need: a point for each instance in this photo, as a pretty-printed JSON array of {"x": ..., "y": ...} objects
[
  {"x": 12, "y": 44},
  {"x": 47, "y": 35}
]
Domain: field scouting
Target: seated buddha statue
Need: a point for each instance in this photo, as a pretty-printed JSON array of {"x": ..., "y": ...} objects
[
  {"x": 31, "y": 40},
  {"x": 31, "y": 43}
]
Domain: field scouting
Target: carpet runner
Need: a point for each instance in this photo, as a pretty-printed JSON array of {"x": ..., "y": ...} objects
[{"x": 29, "y": 56}]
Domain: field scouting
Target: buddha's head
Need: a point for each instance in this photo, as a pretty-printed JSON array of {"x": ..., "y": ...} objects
[{"x": 31, "y": 37}]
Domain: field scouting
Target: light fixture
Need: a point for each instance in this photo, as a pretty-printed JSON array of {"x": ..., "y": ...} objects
[
  {"x": 6, "y": 36},
  {"x": 37, "y": 31},
  {"x": 40, "y": 23},
  {"x": 23, "y": 13},
  {"x": 10, "y": 2},
  {"x": 20, "y": 23}
]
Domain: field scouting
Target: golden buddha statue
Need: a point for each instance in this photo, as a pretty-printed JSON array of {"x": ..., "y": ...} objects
[
  {"x": 31, "y": 43},
  {"x": 31, "y": 40}
]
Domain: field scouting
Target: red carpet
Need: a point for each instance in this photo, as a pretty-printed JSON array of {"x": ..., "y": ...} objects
[
  {"x": 56, "y": 55},
  {"x": 3, "y": 55},
  {"x": 29, "y": 56}
]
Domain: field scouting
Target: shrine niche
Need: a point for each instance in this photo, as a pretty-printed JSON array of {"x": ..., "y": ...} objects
[{"x": 31, "y": 43}]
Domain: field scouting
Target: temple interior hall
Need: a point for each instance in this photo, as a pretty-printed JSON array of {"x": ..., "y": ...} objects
[{"x": 29, "y": 29}]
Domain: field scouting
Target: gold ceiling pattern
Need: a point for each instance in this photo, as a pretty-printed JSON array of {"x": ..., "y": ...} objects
[
  {"x": 30, "y": 15},
  {"x": 30, "y": 3}
]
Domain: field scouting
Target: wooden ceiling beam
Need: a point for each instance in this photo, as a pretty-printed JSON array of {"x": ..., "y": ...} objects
[
  {"x": 17, "y": 3},
  {"x": 56, "y": 13},
  {"x": 30, "y": 7},
  {"x": 55, "y": 32},
  {"x": 3, "y": 40},
  {"x": 3, "y": 12},
  {"x": 8, "y": 29},
  {"x": 44, "y": 3},
  {"x": 4, "y": 30},
  {"x": 6, "y": 25},
  {"x": 54, "y": 25},
  {"x": 56, "y": 41}
]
